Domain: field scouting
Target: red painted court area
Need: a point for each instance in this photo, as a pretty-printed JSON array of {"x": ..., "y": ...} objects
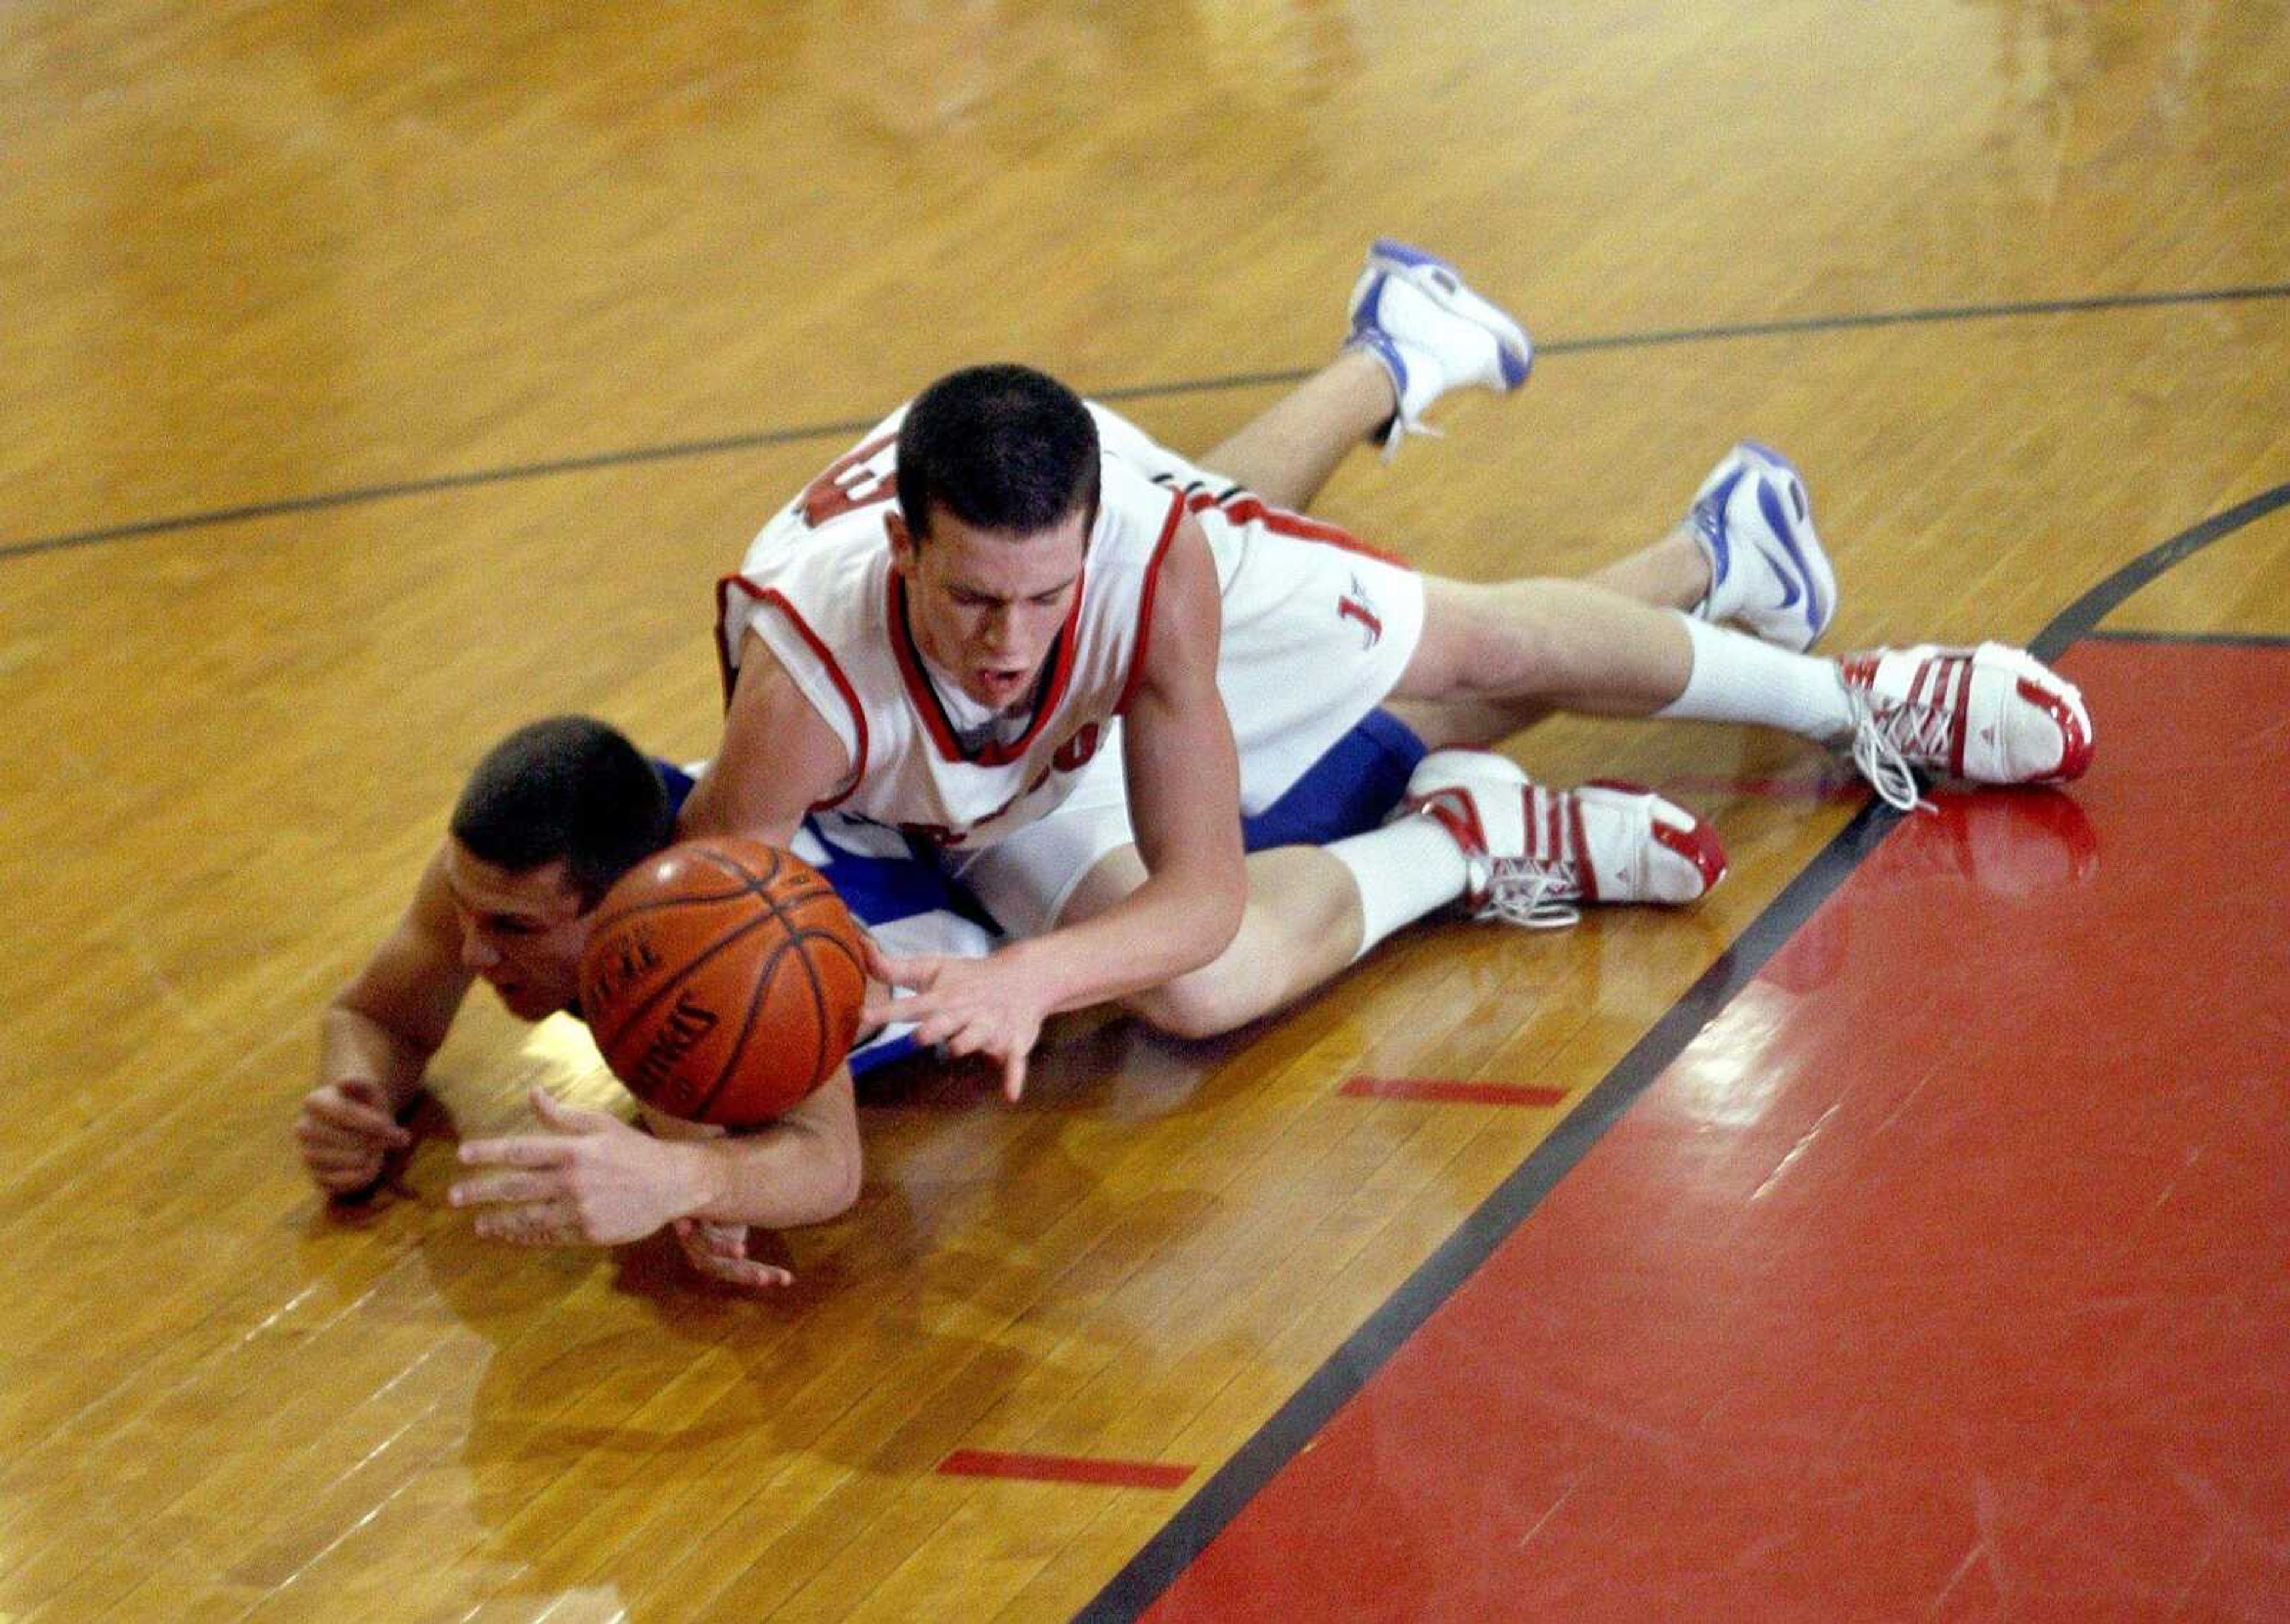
[{"x": 1946, "y": 1274}]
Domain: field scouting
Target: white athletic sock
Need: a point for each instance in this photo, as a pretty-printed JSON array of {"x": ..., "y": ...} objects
[
  {"x": 1404, "y": 870},
  {"x": 1737, "y": 678}
]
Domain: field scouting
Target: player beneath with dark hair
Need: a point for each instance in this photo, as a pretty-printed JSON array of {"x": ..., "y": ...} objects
[
  {"x": 549, "y": 819},
  {"x": 567, "y": 788}
]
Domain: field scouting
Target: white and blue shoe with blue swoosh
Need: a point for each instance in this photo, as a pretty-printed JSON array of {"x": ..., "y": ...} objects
[{"x": 1768, "y": 574}]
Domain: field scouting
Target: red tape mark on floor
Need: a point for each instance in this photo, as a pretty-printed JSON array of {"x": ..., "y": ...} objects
[
  {"x": 1064, "y": 1468},
  {"x": 1445, "y": 1091}
]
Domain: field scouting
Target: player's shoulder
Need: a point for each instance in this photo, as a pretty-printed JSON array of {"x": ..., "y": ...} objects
[
  {"x": 1136, "y": 513},
  {"x": 836, "y": 558},
  {"x": 431, "y": 912}
]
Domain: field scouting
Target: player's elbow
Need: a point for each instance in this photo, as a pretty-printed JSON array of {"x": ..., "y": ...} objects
[
  {"x": 839, "y": 1172},
  {"x": 842, "y": 1190}
]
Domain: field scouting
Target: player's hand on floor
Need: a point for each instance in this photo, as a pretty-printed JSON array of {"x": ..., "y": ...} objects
[
  {"x": 345, "y": 1131},
  {"x": 993, "y": 1006},
  {"x": 720, "y": 1253},
  {"x": 589, "y": 1179}
]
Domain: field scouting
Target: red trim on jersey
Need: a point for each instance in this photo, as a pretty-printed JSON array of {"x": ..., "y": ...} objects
[
  {"x": 923, "y": 694},
  {"x": 1145, "y": 604},
  {"x": 1243, "y": 509},
  {"x": 772, "y": 597}
]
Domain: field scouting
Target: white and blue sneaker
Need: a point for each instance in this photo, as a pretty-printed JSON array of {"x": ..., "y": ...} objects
[
  {"x": 1767, "y": 571},
  {"x": 1411, "y": 311}
]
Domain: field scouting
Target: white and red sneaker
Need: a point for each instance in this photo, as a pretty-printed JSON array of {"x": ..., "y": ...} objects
[
  {"x": 1414, "y": 312},
  {"x": 1533, "y": 851},
  {"x": 1990, "y": 715}
]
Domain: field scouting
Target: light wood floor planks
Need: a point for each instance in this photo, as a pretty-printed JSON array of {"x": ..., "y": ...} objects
[{"x": 376, "y": 378}]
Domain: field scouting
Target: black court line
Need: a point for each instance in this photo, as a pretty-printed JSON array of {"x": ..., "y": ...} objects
[
  {"x": 2216, "y": 640},
  {"x": 723, "y": 444},
  {"x": 1155, "y": 1568}
]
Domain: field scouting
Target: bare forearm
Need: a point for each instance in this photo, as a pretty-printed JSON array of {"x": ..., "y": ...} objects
[
  {"x": 1171, "y": 925},
  {"x": 354, "y": 1046},
  {"x": 780, "y": 1178},
  {"x": 803, "y": 1169}
]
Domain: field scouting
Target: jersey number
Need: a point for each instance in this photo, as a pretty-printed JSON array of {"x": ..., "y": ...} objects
[{"x": 849, "y": 484}]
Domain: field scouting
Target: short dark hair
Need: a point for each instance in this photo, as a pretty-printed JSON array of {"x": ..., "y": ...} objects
[
  {"x": 1004, "y": 448},
  {"x": 570, "y": 788}
]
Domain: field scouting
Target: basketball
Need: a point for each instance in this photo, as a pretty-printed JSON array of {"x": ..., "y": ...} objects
[{"x": 723, "y": 981}]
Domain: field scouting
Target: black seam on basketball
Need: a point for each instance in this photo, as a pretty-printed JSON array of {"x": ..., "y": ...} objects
[
  {"x": 746, "y": 884},
  {"x": 800, "y": 937},
  {"x": 725, "y": 863},
  {"x": 630, "y": 910},
  {"x": 777, "y": 908},
  {"x": 724, "y": 1075},
  {"x": 818, "y": 999},
  {"x": 834, "y": 940},
  {"x": 691, "y": 964},
  {"x": 795, "y": 936}
]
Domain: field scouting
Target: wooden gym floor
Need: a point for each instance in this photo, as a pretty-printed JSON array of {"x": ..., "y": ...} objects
[{"x": 1898, "y": 1234}]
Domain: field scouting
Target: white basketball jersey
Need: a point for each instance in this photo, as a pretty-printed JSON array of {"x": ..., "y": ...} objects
[{"x": 819, "y": 588}]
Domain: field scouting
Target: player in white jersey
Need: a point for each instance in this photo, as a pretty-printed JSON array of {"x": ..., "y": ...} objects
[{"x": 943, "y": 631}]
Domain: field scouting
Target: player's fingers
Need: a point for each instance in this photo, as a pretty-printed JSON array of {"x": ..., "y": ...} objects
[
  {"x": 911, "y": 1000},
  {"x": 743, "y": 1272},
  {"x": 501, "y": 1189},
  {"x": 959, "y": 1034},
  {"x": 884, "y": 967},
  {"x": 934, "y": 1026},
  {"x": 370, "y": 1096},
  {"x": 532, "y": 1225},
  {"x": 566, "y": 1119},
  {"x": 321, "y": 1141},
  {"x": 717, "y": 1240},
  {"x": 520, "y": 1150},
  {"x": 1013, "y": 1075},
  {"x": 338, "y": 1179},
  {"x": 366, "y": 1120}
]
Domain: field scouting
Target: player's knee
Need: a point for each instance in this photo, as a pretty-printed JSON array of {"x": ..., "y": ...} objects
[
  {"x": 1484, "y": 638},
  {"x": 1191, "y": 1007}
]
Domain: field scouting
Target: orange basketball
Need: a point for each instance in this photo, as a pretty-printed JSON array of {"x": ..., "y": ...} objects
[{"x": 723, "y": 981}]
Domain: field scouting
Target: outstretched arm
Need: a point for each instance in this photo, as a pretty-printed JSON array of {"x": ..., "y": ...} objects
[
  {"x": 376, "y": 1039},
  {"x": 1184, "y": 792},
  {"x": 588, "y": 1178}
]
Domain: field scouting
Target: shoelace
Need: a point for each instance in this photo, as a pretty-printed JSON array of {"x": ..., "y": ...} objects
[
  {"x": 1880, "y": 758},
  {"x": 1521, "y": 896}
]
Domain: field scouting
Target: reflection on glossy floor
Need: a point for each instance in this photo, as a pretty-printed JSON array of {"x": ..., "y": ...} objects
[
  {"x": 376, "y": 381},
  {"x": 1938, "y": 1276}
]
